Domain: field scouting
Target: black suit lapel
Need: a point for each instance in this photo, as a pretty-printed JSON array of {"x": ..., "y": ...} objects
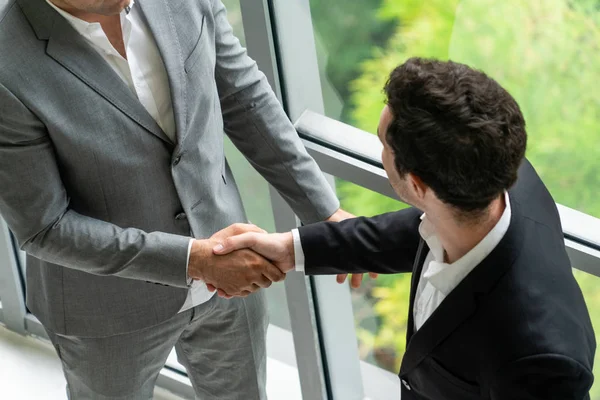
[
  {"x": 462, "y": 302},
  {"x": 68, "y": 48},
  {"x": 422, "y": 252}
]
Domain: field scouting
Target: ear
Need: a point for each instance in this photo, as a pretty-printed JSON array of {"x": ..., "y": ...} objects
[{"x": 417, "y": 186}]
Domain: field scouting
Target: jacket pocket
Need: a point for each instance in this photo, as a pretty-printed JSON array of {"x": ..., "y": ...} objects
[
  {"x": 452, "y": 379},
  {"x": 196, "y": 52}
]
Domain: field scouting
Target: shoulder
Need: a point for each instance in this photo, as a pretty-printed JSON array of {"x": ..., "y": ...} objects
[
  {"x": 18, "y": 44},
  {"x": 5, "y": 7},
  {"x": 528, "y": 306},
  {"x": 533, "y": 198}
]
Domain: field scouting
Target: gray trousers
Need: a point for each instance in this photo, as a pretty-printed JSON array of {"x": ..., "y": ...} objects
[{"x": 221, "y": 343}]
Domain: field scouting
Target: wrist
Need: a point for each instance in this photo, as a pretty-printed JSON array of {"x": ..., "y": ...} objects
[
  {"x": 340, "y": 215},
  {"x": 200, "y": 255},
  {"x": 288, "y": 243}
]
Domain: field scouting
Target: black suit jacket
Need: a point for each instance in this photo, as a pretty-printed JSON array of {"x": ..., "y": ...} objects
[{"x": 516, "y": 327}]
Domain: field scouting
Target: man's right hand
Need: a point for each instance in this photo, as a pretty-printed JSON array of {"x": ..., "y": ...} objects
[
  {"x": 277, "y": 247},
  {"x": 239, "y": 273}
]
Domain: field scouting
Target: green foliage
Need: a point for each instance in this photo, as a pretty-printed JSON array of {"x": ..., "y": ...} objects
[
  {"x": 391, "y": 333},
  {"x": 347, "y": 30},
  {"x": 545, "y": 53}
]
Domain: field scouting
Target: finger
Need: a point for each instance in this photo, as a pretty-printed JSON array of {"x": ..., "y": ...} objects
[
  {"x": 222, "y": 293},
  {"x": 373, "y": 275},
  {"x": 356, "y": 281},
  {"x": 258, "y": 229},
  {"x": 244, "y": 228},
  {"x": 245, "y": 293},
  {"x": 233, "y": 243},
  {"x": 264, "y": 283},
  {"x": 273, "y": 274},
  {"x": 341, "y": 278},
  {"x": 255, "y": 288},
  {"x": 236, "y": 229},
  {"x": 210, "y": 287}
]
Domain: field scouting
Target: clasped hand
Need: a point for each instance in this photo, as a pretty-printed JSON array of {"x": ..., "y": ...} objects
[
  {"x": 242, "y": 258},
  {"x": 236, "y": 272}
]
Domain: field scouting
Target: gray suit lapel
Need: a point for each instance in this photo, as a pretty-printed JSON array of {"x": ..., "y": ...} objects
[
  {"x": 70, "y": 50},
  {"x": 159, "y": 18}
]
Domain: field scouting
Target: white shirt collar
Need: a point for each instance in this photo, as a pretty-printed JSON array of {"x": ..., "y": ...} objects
[
  {"x": 85, "y": 28},
  {"x": 445, "y": 277}
]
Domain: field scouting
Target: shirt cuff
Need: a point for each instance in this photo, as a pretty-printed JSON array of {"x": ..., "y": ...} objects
[
  {"x": 189, "y": 280},
  {"x": 298, "y": 252}
]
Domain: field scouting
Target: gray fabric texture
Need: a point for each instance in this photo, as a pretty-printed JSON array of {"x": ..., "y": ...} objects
[
  {"x": 91, "y": 186},
  {"x": 221, "y": 343}
]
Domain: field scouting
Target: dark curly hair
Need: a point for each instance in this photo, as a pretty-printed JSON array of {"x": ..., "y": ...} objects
[{"x": 455, "y": 128}]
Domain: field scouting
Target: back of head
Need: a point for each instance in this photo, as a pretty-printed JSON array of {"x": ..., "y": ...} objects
[{"x": 456, "y": 129}]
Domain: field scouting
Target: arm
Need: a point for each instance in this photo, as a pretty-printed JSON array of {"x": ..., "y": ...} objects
[
  {"x": 385, "y": 244},
  {"x": 257, "y": 125},
  {"x": 35, "y": 205},
  {"x": 542, "y": 377}
]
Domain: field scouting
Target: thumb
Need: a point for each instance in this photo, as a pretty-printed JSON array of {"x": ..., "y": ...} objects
[{"x": 233, "y": 243}]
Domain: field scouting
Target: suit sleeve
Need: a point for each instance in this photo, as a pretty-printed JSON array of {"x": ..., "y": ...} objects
[
  {"x": 386, "y": 244},
  {"x": 257, "y": 125},
  {"x": 35, "y": 205},
  {"x": 542, "y": 377}
]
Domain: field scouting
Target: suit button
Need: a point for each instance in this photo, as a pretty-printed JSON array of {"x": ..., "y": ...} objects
[
  {"x": 180, "y": 216},
  {"x": 176, "y": 160},
  {"x": 405, "y": 383}
]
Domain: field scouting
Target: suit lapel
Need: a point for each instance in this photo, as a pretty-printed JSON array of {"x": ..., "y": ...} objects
[
  {"x": 462, "y": 302},
  {"x": 160, "y": 21},
  {"x": 422, "y": 252},
  {"x": 69, "y": 49}
]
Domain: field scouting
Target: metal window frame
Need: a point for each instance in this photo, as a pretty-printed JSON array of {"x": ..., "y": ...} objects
[{"x": 296, "y": 54}]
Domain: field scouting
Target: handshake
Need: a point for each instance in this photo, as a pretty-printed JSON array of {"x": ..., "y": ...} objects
[{"x": 241, "y": 259}]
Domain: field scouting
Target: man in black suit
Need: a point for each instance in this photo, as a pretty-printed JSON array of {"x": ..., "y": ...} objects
[{"x": 495, "y": 312}]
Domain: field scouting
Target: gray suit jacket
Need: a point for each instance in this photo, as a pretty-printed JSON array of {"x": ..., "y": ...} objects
[{"x": 97, "y": 195}]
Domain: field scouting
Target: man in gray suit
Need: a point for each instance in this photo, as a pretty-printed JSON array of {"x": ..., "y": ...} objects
[{"x": 111, "y": 162}]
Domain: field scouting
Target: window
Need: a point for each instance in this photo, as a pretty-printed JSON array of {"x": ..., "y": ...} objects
[
  {"x": 281, "y": 369},
  {"x": 380, "y": 306},
  {"x": 254, "y": 189},
  {"x": 545, "y": 53}
]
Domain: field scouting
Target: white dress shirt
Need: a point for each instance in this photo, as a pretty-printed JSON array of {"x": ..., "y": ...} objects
[
  {"x": 144, "y": 73},
  {"x": 438, "y": 278}
]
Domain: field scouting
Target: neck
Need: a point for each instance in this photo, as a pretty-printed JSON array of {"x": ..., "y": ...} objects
[
  {"x": 86, "y": 15},
  {"x": 458, "y": 237}
]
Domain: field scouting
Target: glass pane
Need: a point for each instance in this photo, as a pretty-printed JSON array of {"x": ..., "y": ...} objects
[
  {"x": 254, "y": 189},
  {"x": 282, "y": 374},
  {"x": 545, "y": 53},
  {"x": 380, "y": 306},
  {"x": 589, "y": 287},
  {"x": 257, "y": 202},
  {"x": 234, "y": 15}
]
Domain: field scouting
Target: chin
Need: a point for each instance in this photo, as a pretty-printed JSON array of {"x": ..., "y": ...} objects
[{"x": 114, "y": 7}]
